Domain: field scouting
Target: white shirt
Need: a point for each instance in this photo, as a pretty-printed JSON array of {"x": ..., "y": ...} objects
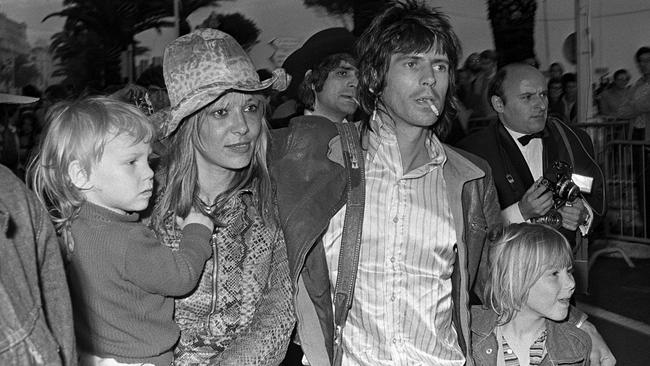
[
  {"x": 402, "y": 308},
  {"x": 533, "y": 154}
]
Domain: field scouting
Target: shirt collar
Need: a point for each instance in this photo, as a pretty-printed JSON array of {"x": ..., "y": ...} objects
[
  {"x": 515, "y": 136},
  {"x": 384, "y": 133}
]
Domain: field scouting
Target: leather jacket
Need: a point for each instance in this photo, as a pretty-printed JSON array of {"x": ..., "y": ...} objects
[{"x": 311, "y": 180}]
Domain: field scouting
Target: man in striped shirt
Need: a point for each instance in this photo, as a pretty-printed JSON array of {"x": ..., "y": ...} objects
[{"x": 426, "y": 214}]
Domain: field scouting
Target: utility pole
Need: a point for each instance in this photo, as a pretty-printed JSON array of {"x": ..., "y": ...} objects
[
  {"x": 584, "y": 106},
  {"x": 547, "y": 46},
  {"x": 583, "y": 60}
]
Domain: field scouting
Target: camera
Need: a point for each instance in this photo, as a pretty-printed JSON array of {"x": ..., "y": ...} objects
[{"x": 558, "y": 180}]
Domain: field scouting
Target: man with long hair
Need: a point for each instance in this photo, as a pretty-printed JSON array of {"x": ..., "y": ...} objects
[{"x": 426, "y": 207}]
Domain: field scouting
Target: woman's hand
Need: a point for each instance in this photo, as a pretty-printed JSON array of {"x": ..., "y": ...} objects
[{"x": 195, "y": 217}]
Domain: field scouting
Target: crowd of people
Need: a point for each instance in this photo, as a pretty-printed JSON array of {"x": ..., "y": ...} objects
[{"x": 218, "y": 214}]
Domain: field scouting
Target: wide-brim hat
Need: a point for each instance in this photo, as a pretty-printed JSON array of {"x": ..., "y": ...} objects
[
  {"x": 16, "y": 99},
  {"x": 324, "y": 43},
  {"x": 203, "y": 65}
]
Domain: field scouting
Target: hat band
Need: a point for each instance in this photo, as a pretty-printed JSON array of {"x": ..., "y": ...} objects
[{"x": 255, "y": 86}]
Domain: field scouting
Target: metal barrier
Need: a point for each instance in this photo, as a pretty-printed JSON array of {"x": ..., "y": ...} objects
[
  {"x": 626, "y": 165},
  {"x": 603, "y": 132},
  {"x": 627, "y": 179},
  {"x": 623, "y": 163}
]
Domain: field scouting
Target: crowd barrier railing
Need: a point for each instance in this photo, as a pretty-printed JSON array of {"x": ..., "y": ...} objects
[
  {"x": 601, "y": 133},
  {"x": 627, "y": 179},
  {"x": 623, "y": 163}
]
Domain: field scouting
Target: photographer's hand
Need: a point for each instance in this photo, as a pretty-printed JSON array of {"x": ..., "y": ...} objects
[
  {"x": 536, "y": 201},
  {"x": 573, "y": 214}
]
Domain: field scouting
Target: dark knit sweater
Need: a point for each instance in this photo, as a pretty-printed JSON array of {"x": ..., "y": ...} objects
[{"x": 122, "y": 280}]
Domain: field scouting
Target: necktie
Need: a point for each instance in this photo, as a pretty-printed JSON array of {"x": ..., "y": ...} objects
[{"x": 525, "y": 139}]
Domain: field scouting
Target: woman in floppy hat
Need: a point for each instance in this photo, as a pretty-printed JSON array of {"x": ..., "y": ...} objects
[{"x": 216, "y": 138}]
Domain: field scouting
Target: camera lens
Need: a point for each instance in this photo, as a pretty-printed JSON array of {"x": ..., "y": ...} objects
[
  {"x": 552, "y": 218},
  {"x": 568, "y": 190}
]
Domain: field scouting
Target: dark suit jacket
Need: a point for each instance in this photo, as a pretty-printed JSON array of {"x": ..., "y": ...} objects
[{"x": 512, "y": 176}]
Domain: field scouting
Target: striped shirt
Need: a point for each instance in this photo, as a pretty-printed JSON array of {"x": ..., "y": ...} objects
[
  {"x": 537, "y": 352},
  {"x": 402, "y": 309}
]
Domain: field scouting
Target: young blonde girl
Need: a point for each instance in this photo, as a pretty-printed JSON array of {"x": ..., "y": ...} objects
[
  {"x": 93, "y": 174},
  {"x": 528, "y": 291}
]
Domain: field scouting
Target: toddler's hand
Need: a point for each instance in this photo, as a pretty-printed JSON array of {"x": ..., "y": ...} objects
[{"x": 195, "y": 217}]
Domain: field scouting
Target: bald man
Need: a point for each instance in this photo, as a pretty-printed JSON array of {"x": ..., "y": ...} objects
[{"x": 523, "y": 145}]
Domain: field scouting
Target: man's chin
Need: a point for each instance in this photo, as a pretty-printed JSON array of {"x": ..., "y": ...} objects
[{"x": 540, "y": 121}]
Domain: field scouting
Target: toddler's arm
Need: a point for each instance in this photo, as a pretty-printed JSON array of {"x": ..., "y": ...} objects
[{"x": 159, "y": 269}]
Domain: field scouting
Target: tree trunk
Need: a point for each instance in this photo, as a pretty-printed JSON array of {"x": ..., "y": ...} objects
[{"x": 513, "y": 28}]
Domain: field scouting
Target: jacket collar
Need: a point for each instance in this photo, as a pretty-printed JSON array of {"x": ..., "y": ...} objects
[
  {"x": 483, "y": 326},
  {"x": 561, "y": 343},
  {"x": 458, "y": 168}
]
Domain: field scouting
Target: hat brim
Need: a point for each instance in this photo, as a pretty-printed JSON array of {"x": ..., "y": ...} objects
[
  {"x": 16, "y": 99},
  {"x": 205, "y": 95},
  {"x": 319, "y": 46}
]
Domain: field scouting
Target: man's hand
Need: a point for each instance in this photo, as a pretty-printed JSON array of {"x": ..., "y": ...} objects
[
  {"x": 573, "y": 214},
  {"x": 600, "y": 354},
  {"x": 536, "y": 201}
]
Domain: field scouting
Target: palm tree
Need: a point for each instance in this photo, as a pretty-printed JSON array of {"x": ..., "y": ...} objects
[
  {"x": 362, "y": 11},
  {"x": 97, "y": 32},
  {"x": 242, "y": 29},
  {"x": 513, "y": 27}
]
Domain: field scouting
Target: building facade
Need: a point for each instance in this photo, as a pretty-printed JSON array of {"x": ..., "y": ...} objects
[{"x": 13, "y": 42}]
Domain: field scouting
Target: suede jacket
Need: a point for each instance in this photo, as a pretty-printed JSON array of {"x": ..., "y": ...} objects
[
  {"x": 311, "y": 180},
  {"x": 35, "y": 309},
  {"x": 565, "y": 344}
]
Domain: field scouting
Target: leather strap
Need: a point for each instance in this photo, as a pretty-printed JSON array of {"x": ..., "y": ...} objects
[
  {"x": 560, "y": 129},
  {"x": 351, "y": 237}
]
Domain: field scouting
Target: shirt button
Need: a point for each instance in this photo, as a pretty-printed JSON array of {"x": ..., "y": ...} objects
[
  {"x": 488, "y": 351},
  {"x": 392, "y": 259},
  {"x": 395, "y": 219},
  {"x": 392, "y": 298},
  {"x": 394, "y": 340},
  {"x": 509, "y": 351}
]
